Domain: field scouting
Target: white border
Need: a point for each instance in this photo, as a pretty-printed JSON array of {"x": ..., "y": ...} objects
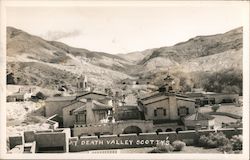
[{"x": 61, "y": 3}]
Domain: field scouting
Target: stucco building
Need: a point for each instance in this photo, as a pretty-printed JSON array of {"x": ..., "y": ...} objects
[
  {"x": 203, "y": 98},
  {"x": 202, "y": 120}
]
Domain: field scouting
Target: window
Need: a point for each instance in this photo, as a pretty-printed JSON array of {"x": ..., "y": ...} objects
[
  {"x": 182, "y": 111},
  {"x": 71, "y": 112},
  {"x": 164, "y": 112},
  {"x": 81, "y": 118},
  {"x": 81, "y": 84},
  {"x": 102, "y": 115},
  {"x": 155, "y": 112}
]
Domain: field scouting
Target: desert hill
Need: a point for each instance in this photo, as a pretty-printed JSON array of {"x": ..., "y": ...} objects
[
  {"x": 33, "y": 60},
  {"x": 226, "y": 48}
]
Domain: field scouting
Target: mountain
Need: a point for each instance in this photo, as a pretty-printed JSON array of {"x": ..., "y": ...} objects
[
  {"x": 33, "y": 60},
  {"x": 197, "y": 53},
  {"x": 50, "y": 64}
]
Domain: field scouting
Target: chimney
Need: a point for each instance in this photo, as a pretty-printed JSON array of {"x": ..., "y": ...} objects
[{"x": 90, "y": 117}]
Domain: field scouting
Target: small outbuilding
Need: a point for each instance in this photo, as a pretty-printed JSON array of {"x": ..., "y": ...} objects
[{"x": 201, "y": 120}]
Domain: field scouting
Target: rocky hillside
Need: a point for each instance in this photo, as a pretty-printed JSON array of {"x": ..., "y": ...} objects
[
  {"x": 196, "y": 54},
  {"x": 213, "y": 63},
  {"x": 33, "y": 60},
  {"x": 49, "y": 64}
]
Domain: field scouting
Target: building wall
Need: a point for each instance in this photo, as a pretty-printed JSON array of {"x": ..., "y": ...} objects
[
  {"x": 173, "y": 108},
  {"x": 91, "y": 130},
  {"x": 192, "y": 123},
  {"x": 165, "y": 127},
  {"x": 171, "y": 105},
  {"x": 189, "y": 104},
  {"x": 70, "y": 119},
  {"x": 145, "y": 126},
  {"x": 15, "y": 140},
  {"x": 27, "y": 96},
  {"x": 209, "y": 124},
  {"x": 113, "y": 128},
  {"x": 55, "y": 107},
  {"x": 57, "y": 138},
  {"x": 141, "y": 140},
  {"x": 149, "y": 115},
  {"x": 220, "y": 96}
]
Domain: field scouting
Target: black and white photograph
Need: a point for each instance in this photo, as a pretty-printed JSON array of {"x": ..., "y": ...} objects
[{"x": 124, "y": 79}]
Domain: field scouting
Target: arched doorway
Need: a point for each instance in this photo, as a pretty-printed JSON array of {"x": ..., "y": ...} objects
[
  {"x": 158, "y": 130},
  {"x": 178, "y": 129},
  {"x": 169, "y": 130},
  {"x": 132, "y": 129}
]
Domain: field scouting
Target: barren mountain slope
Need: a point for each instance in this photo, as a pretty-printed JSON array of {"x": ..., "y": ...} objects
[
  {"x": 195, "y": 51},
  {"x": 35, "y": 61}
]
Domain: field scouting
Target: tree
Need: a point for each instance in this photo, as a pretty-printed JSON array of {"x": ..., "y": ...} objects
[
  {"x": 215, "y": 107},
  {"x": 40, "y": 95}
]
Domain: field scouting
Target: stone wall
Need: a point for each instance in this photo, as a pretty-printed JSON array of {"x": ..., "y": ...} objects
[
  {"x": 142, "y": 140},
  {"x": 15, "y": 140},
  {"x": 49, "y": 139}
]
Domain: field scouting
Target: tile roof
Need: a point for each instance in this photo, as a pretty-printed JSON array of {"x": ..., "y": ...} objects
[
  {"x": 96, "y": 106},
  {"x": 199, "y": 116},
  {"x": 61, "y": 98},
  {"x": 100, "y": 106},
  {"x": 91, "y": 92}
]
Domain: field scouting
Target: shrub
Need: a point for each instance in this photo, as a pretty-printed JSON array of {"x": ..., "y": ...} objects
[
  {"x": 203, "y": 141},
  {"x": 163, "y": 148},
  {"x": 228, "y": 148},
  {"x": 236, "y": 141},
  {"x": 215, "y": 107},
  {"x": 213, "y": 140},
  {"x": 178, "y": 145},
  {"x": 40, "y": 95},
  {"x": 211, "y": 144}
]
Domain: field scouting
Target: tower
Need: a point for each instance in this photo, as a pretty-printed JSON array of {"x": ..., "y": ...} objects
[{"x": 82, "y": 84}]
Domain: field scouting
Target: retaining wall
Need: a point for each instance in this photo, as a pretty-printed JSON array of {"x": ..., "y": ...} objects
[{"x": 142, "y": 140}]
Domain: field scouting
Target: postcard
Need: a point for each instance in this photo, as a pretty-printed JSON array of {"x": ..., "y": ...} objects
[{"x": 124, "y": 79}]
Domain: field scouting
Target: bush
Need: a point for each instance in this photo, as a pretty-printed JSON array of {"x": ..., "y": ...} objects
[
  {"x": 40, "y": 95},
  {"x": 236, "y": 141},
  {"x": 228, "y": 148},
  {"x": 203, "y": 141},
  {"x": 178, "y": 145},
  {"x": 211, "y": 144},
  {"x": 163, "y": 148},
  {"x": 213, "y": 140},
  {"x": 215, "y": 107}
]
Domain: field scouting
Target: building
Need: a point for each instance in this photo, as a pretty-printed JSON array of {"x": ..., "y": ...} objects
[
  {"x": 204, "y": 98},
  {"x": 65, "y": 105},
  {"x": 166, "y": 110},
  {"x": 92, "y": 112},
  {"x": 45, "y": 141},
  {"x": 95, "y": 113},
  {"x": 129, "y": 112},
  {"x": 23, "y": 94},
  {"x": 82, "y": 84},
  {"x": 201, "y": 120}
]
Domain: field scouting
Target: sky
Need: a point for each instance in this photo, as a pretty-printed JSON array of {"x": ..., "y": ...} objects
[{"x": 124, "y": 29}]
